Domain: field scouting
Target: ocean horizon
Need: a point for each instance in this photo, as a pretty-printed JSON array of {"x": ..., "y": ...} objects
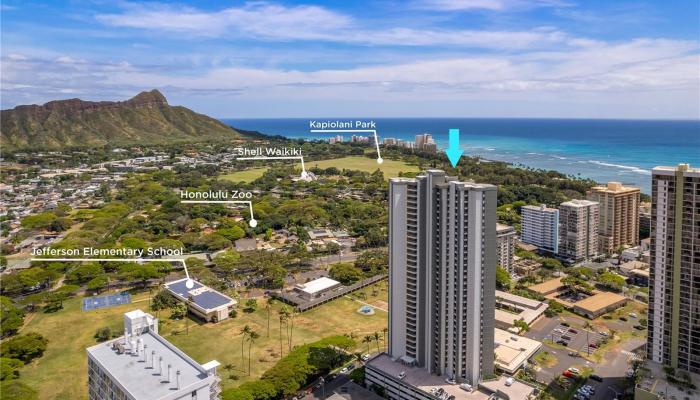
[{"x": 603, "y": 150}]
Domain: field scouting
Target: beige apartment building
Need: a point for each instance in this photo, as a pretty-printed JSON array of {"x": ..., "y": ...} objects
[{"x": 619, "y": 215}]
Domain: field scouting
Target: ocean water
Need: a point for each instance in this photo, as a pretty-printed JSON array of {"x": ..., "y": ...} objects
[{"x": 602, "y": 150}]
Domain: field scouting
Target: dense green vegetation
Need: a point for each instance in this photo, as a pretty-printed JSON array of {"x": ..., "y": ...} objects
[{"x": 296, "y": 369}]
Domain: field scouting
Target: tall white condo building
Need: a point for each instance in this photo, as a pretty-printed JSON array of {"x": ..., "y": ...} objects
[{"x": 442, "y": 275}]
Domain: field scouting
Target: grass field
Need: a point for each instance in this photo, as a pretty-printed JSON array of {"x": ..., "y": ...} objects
[
  {"x": 62, "y": 372},
  {"x": 247, "y": 175},
  {"x": 390, "y": 168}
]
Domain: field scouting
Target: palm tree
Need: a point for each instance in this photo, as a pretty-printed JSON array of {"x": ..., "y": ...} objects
[
  {"x": 376, "y": 338},
  {"x": 252, "y": 335},
  {"x": 384, "y": 332},
  {"x": 358, "y": 358},
  {"x": 245, "y": 331},
  {"x": 283, "y": 314},
  {"x": 367, "y": 339},
  {"x": 268, "y": 307},
  {"x": 291, "y": 327}
]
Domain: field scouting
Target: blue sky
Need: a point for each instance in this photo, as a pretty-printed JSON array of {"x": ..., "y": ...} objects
[{"x": 414, "y": 58}]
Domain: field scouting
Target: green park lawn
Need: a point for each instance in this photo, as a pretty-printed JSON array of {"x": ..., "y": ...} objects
[
  {"x": 247, "y": 175},
  {"x": 390, "y": 168},
  {"x": 62, "y": 372}
]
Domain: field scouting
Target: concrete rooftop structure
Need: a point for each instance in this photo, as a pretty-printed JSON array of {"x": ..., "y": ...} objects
[{"x": 424, "y": 381}]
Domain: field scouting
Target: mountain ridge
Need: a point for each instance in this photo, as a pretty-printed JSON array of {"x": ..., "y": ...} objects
[{"x": 144, "y": 119}]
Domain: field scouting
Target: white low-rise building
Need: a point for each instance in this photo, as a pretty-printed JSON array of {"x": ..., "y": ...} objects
[
  {"x": 203, "y": 301},
  {"x": 316, "y": 288},
  {"x": 142, "y": 365}
]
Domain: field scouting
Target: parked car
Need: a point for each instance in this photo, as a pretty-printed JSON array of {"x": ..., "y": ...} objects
[
  {"x": 565, "y": 337},
  {"x": 566, "y": 324},
  {"x": 623, "y": 319},
  {"x": 344, "y": 370},
  {"x": 572, "y": 330},
  {"x": 568, "y": 374},
  {"x": 351, "y": 367},
  {"x": 632, "y": 315},
  {"x": 593, "y": 345},
  {"x": 466, "y": 387},
  {"x": 597, "y": 378},
  {"x": 574, "y": 354},
  {"x": 639, "y": 327},
  {"x": 562, "y": 342},
  {"x": 574, "y": 370},
  {"x": 603, "y": 333},
  {"x": 402, "y": 374}
]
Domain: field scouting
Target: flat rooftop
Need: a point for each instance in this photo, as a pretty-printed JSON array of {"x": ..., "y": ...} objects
[
  {"x": 318, "y": 285},
  {"x": 578, "y": 203},
  {"x": 423, "y": 380},
  {"x": 599, "y": 301},
  {"x": 527, "y": 309},
  {"x": 137, "y": 376},
  {"x": 686, "y": 168},
  {"x": 547, "y": 286},
  {"x": 614, "y": 187},
  {"x": 518, "y": 300},
  {"x": 513, "y": 350},
  {"x": 501, "y": 228},
  {"x": 541, "y": 207},
  {"x": 203, "y": 297}
]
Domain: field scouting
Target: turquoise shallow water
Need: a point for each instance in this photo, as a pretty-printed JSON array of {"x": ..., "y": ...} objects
[{"x": 603, "y": 150}]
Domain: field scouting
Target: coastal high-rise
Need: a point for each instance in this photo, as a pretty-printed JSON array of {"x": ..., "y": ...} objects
[
  {"x": 425, "y": 142},
  {"x": 619, "y": 215},
  {"x": 442, "y": 263},
  {"x": 674, "y": 280},
  {"x": 505, "y": 238},
  {"x": 142, "y": 365},
  {"x": 578, "y": 229},
  {"x": 540, "y": 226}
]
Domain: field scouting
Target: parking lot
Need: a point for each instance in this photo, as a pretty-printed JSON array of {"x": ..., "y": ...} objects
[
  {"x": 612, "y": 367},
  {"x": 578, "y": 340}
]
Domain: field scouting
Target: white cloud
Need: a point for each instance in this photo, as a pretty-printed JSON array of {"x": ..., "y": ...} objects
[
  {"x": 546, "y": 66},
  {"x": 490, "y": 5},
  {"x": 639, "y": 69},
  {"x": 273, "y": 22},
  {"x": 256, "y": 19}
]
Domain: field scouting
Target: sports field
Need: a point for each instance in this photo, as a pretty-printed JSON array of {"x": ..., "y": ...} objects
[{"x": 62, "y": 372}]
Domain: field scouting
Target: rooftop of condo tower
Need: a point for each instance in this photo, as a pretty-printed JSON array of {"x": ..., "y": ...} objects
[
  {"x": 421, "y": 379},
  {"x": 686, "y": 169}
]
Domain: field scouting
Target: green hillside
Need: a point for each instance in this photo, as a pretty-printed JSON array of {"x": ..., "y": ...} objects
[{"x": 145, "y": 119}]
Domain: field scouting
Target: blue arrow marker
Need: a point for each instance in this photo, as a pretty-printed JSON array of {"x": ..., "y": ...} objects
[{"x": 453, "y": 151}]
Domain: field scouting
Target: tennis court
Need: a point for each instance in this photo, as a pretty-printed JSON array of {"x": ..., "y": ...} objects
[{"x": 95, "y": 302}]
